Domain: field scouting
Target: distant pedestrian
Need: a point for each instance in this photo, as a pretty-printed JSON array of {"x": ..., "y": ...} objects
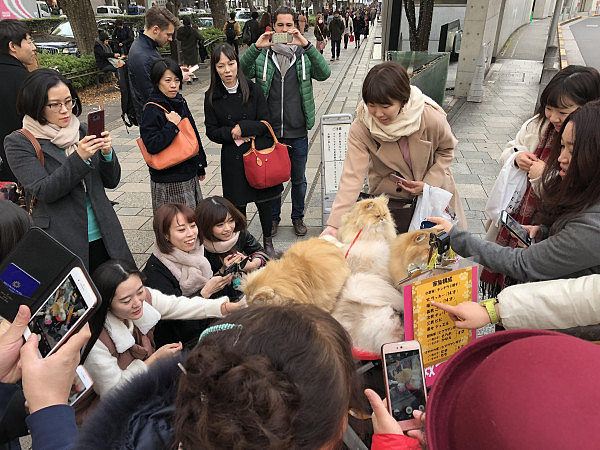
[
  {"x": 250, "y": 33},
  {"x": 180, "y": 183},
  {"x": 189, "y": 38},
  {"x": 348, "y": 29},
  {"x": 302, "y": 22},
  {"x": 359, "y": 25},
  {"x": 373, "y": 15},
  {"x": 336, "y": 31},
  {"x": 232, "y": 31},
  {"x": 16, "y": 51},
  {"x": 122, "y": 37},
  {"x": 160, "y": 27},
  {"x": 321, "y": 33},
  {"x": 265, "y": 24}
]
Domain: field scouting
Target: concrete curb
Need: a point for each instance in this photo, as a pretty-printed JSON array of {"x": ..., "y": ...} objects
[{"x": 568, "y": 50}]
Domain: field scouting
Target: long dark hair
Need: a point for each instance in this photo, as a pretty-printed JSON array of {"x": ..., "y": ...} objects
[
  {"x": 580, "y": 188},
  {"x": 268, "y": 377},
  {"x": 579, "y": 84},
  {"x": 213, "y": 210},
  {"x": 107, "y": 278},
  {"x": 14, "y": 223},
  {"x": 227, "y": 50}
]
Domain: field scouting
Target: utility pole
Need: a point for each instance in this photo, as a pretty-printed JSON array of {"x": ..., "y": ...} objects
[{"x": 551, "y": 60}]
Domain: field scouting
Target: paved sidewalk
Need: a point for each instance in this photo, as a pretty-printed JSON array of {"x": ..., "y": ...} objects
[{"x": 510, "y": 93}]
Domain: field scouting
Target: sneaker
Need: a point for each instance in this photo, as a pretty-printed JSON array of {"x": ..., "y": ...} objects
[
  {"x": 299, "y": 227},
  {"x": 274, "y": 227},
  {"x": 337, "y": 58},
  {"x": 332, "y": 59}
]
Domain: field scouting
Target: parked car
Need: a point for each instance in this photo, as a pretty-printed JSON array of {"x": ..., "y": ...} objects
[
  {"x": 185, "y": 11},
  {"x": 243, "y": 16},
  {"x": 136, "y": 10},
  {"x": 61, "y": 40},
  {"x": 108, "y": 11},
  {"x": 204, "y": 22}
]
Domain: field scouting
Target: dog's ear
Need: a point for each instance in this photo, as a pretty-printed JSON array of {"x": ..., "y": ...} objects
[{"x": 262, "y": 295}]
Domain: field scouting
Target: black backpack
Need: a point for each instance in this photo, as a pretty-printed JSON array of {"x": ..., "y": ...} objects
[
  {"x": 127, "y": 108},
  {"x": 247, "y": 34},
  {"x": 230, "y": 32}
]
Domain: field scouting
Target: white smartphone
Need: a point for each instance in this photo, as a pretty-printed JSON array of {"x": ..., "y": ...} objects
[
  {"x": 63, "y": 313},
  {"x": 396, "y": 179},
  {"x": 515, "y": 228},
  {"x": 404, "y": 381},
  {"x": 194, "y": 68},
  {"x": 81, "y": 384}
]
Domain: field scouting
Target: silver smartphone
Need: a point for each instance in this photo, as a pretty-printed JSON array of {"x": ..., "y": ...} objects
[{"x": 281, "y": 38}]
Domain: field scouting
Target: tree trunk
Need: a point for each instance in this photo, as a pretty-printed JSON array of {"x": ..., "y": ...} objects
[
  {"x": 218, "y": 10},
  {"x": 83, "y": 23},
  {"x": 419, "y": 35},
  {"x": 275, "y": 4},
  {"x": 173, "y": 6}
]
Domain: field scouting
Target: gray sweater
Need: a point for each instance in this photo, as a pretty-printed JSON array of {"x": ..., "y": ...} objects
[{"x": 572, "y": 250}]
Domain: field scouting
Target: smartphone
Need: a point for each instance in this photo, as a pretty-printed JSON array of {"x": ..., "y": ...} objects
[
  {"x": 515, "y": 228},
  {"x": 395, "y": 178},
  {"x": 427, "y": 224},
  {"x": 194, "y": 68},
  {"x": 95, "y": 123},
  {"x": 63, "y": 313},
  {"x": 404, "y": 381},
  {"x": 81, "y": 384},
  {"x": 281, "y": 38}
]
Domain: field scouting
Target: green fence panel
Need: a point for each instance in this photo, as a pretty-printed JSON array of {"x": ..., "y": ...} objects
[{"x": 427, "y": 70}]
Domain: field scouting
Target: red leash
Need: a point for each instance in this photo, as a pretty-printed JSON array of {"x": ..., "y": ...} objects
[{"x": 353, "y": 242}]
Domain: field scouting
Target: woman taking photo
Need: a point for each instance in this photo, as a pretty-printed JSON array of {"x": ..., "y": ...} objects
[
  {"x": 398, "y": 131},
  {"x": 122, "y": 344},
  {"x": 567, "y": 239},
  {"x": 233, "y": 109},
  {"x": 567, "y": 91},
  {"x": 70, "y": 202},
  {"x": 177, "y": 266},
  {"x": 162, "y": 113},
  {"x": 226, "y": 238}
]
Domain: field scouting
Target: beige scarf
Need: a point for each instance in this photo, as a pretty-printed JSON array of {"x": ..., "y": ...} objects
[
  {"x": 222, "y": 246},
  {"x": 191, "y": 269},
  {"x": 66, "y": 138},
  {"x": 407, "y": 122}
]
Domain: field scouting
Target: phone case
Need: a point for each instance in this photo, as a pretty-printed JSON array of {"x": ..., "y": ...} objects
[
  {"x": 95, "y": 123},
  {"x": 33, "y": 270}
]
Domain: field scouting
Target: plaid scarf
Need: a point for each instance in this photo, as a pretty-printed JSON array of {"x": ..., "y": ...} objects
[{"x": 491, "y": 283}]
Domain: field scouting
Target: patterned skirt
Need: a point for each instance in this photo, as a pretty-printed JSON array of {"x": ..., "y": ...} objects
[{"x": 186, "y": 192}]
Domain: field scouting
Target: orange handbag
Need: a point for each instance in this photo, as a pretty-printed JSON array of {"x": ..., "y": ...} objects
[
  {"x": 184, "y": 146},
  {"x": 267, "y": 167}
]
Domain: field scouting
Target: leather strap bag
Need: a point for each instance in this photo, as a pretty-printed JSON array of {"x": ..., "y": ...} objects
[
  {"x": 184, "y": 146},
  {"x": 267, "y": 167},
  {"x": 38, "y": 152}
]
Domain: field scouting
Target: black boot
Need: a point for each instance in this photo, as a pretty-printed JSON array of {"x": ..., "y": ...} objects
[{"x": 269, "y": 249}]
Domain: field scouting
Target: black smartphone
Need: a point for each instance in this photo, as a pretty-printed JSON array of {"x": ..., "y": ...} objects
[
  {"x": 427, "y": 224},
  {"x": 95, "y": 123},
  {"x": 515, "y": 228}
]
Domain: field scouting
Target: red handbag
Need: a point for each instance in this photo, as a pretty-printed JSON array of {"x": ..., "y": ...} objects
[
  {"x": 267, "y": 167},
  {"x": 351, "y": 38}
]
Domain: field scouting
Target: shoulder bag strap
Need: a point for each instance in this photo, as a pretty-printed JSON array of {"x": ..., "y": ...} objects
[
  {"x": 36, "y": 144},
  {"x": 156, "y": 104},
  {"x": 271, "y": 130}
]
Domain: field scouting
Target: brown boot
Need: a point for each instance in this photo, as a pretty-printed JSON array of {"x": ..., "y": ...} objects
[{"x": 269, "y": 249}]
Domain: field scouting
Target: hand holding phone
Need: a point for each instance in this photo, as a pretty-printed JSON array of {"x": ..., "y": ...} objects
[
  {"x": 95, "y": 123},
  {"x": 404, "y": 381},
  {"x": 11, "y": 341},
  {"x": 48, "y": 381},
  {"x": 515, "y": 228},
  {"x": 281, "y": 38},
  {"x": 396, "y": 179},
  {"x": 81, "y": 384}
]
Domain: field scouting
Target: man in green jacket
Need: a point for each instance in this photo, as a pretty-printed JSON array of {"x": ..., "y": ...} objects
[{"x": 285, "y": 73}]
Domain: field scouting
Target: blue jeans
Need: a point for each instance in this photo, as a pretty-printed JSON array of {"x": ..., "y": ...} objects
[{"x": 298, "y": 152}]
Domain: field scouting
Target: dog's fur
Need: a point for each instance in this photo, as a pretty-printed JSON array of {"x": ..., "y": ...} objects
[
  {"x": 371, "y": 251},
  {"x": 371, "y": 311},
  {"x": 312, "y": 271},
  {"x": 407, "y": 248}
]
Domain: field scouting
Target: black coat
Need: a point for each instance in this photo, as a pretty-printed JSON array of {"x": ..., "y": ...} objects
[
  {"x": 220, "y": 118},
  {"x": 157, "y": 133},
  {"x": 189, "y": 38},
  {"x": 138, "y": 414},
  {"x": 142, "y": 56},
  {"x": 246, "y": 244},
  {"x": 12, "y": 74},
  {"x": 122, "y": 36},
  {"x": 159, "y": 277}
]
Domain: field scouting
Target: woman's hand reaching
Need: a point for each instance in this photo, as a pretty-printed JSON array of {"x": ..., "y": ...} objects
[
  {"x": 412, "y": 187},
  {"x": 173, "y": 117},
  {"x": 165, "y": 351},
  {"x": 215, "y": 284}
]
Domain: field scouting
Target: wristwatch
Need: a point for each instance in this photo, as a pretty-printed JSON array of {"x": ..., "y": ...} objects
[{"x": 489, "y": 305}]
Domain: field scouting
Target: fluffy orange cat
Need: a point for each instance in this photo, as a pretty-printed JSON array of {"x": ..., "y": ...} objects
[
  {"x": 408, "y": 248},
  {"x": 312, "y": 271}
]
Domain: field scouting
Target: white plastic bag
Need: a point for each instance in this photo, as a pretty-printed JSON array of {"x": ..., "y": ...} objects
[
  {"x": 508, "y": 190},
  {"x": 431, "y": 203}
]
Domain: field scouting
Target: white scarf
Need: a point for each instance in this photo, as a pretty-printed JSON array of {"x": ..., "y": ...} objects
[
  {"x": 122, "y": 334},
  {"x": 221, "y": 246},
  {"x": 66, "y": 138},
  {"x": 407, "y": 121},
  {"x": 191, "y": 269}
]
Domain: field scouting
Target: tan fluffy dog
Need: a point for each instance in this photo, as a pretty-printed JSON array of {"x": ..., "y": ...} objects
[
  {"x": 312, "y": 271},
  {"x": 407, "y": 248}
]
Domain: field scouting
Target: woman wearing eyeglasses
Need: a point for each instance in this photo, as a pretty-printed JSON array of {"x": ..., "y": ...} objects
[{"x": 68, "y": 186}]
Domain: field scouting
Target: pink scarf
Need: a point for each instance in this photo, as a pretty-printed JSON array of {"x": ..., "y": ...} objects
[
  {"x": 222, "y": 246},
  {"x": 66, "y": 138},
  {"x": 191, "y": 269}
]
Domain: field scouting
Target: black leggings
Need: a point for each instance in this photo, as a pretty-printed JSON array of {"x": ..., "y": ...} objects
[
  {"x": 264, "y": 214},
  {"x": 97, "y": 255}
]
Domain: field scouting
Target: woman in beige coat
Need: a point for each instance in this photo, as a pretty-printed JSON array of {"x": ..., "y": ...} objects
[{"x": 401, "y": 131}]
